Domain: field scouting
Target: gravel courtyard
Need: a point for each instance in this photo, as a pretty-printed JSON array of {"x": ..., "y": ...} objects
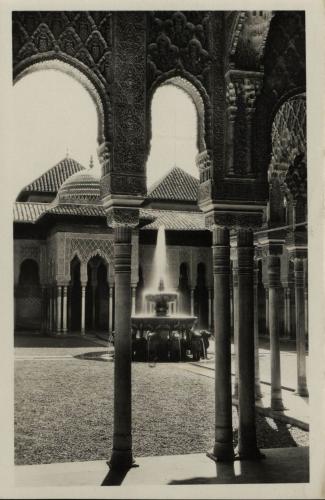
[{"x": 63, "y": 410}]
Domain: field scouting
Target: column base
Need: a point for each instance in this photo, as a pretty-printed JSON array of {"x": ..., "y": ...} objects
[
  {"x": 250, "y": 454},
  {"x": 303, "y": 392},
  {"x": 222, "y": 452},
  {"x": 258, "y": 392},
  {"x": 121, "y": 460},
  {"x": 82, "y": 334},
  {"x": 277, "y": 405}
]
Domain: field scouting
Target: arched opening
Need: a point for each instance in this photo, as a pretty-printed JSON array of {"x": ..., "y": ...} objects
[
  {"x": 201, "y": 305},
  {"x": 97, "y": 310},
  {"x": 177, "y": 129},
  {"x": 184, "y": 289},
  {"x": 74, "y": 323},
  {"x": 28, "y": 301},
  {"x": 65, "y": 98}
]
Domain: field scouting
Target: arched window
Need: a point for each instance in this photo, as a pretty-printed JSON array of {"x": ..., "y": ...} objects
[
  {"x": 174, "y": 123},
  {"x": 29, "y": 273}
]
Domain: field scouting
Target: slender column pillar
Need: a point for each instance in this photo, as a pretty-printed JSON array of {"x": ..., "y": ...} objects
[
  {"x": 65, "y": 310},
  {"x": 236, "y": 327},
  {"x": 306, "y": 311},
  {"x": 267, "y": 309},
  {"x": 210, "y": 307},
  {"x": 300, "y": 327},
  {"x": 287, "y": 309},
  {"x": 83, "y": 308},
  {"x": 43, "y": 308},
  {"x": 54, "y": 309},
  {"x": 133, "y": 293},
  {"x": 58, "y": 309},
  {"x": 273, "y": 271},
  {"x": 258, "y": 392},
  {"x": 50, "y": 309},
  {"x": 247, "y": 444},
  {"x": 122, "y": 439},
  {"x": 223, "y": 445},
  {"x": 93, "y": 316},
  {"x": 110, "y": 309},
  {"x": 192, "y": 302}
]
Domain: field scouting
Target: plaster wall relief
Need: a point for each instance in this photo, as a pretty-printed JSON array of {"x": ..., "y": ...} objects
[
  {"x": 126, "y": 173},
  {"x": 86, "y": 247},
  {"x": 284, "y": 62},
  {"x": 287, "y": 171}
]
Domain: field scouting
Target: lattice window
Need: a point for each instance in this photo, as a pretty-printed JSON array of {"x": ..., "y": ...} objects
[
  {"x": 289, "y": 131},
  {"x": 86, "y": 248}
]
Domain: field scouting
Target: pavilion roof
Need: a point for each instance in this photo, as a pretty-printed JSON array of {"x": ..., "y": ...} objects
[
  {"x": 51, "y": 180},
  {"x": 176, "y": 185}
]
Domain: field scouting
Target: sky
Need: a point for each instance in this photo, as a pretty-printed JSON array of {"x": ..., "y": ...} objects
[{"x": 53, "y": 115}]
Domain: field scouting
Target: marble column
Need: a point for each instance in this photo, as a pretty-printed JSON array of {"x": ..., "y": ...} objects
[
  {"x": 133, "y": 297},
  {"x": 258, "y": 392},
  {"x": 273, "y": 272},
  {"x": 300, "y": 327},
  {"x": 267, "y": 309},
  {"x": 50, "y": 308},
  {"x": 65, "y": 310},
  {"x": 247, "y": 443},
  {"x": 210, "y": 307},
  {"x": 192, "y": 302},
  {"x": 43, "y": 308},
  {"x": 83, "y": 308},
  {"x": 122, "y": 438},
  {"x": 93, "y": 311},
  {"x": 287, "y": 309},
  {"x": 110, "y": 309},
  {"x": 236, "y": 328},
  {"x": 223, "y": 445},
  {"x": 58, "y": 309}
]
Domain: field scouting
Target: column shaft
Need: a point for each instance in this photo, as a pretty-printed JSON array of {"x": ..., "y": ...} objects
[
  {"x": 247, "y": 444},
  {"x": 210, "y": 308},
  {"x": 65, "y": 310},
  {"x": 258, "y": 392},
  {"x": 223, "y": 446},
  {"x": 133, "y": 292},
  {"x": 110, "y": 310},
  {"x": 267, "y": 309},
  {"x": 274, "y": 264},
  {"x": 122, "y": 438},
  {"x": 287, "y": 309},
  {"x": 300, "y": 327},
  {"x": 236, "y": 329},
  {"x": 83, "y": 309},
  {"x": 59, "y": 309}
]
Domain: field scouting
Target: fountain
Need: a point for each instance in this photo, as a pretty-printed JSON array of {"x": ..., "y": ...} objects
[{"x": 163, "y": 334}]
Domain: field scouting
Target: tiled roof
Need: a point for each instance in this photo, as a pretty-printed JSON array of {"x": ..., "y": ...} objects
[
  {"x": 176, "y": 185},
  {"x": 174, "y": 219},
  {"x": 85, "y": 210},
  {"x": 171, "y": 219},
  {"x": 51, "y": 181},
  {"x": 29, "y": 212}
]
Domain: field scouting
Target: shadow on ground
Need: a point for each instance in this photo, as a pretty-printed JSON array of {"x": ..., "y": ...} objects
[{"x": 38, "y": 340}]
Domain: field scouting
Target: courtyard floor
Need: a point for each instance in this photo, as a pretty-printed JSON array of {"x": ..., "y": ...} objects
[{"x": 64, "y": 405}]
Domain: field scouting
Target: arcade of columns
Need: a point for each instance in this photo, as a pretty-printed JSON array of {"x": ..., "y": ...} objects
[{"x": 239, "y": 84}]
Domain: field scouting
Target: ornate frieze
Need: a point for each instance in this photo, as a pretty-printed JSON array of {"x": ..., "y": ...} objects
[
  {"x": 234, "y": 219},
  {"x": 86, "y": 36},
  {"x": 178, "y": 40}
]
